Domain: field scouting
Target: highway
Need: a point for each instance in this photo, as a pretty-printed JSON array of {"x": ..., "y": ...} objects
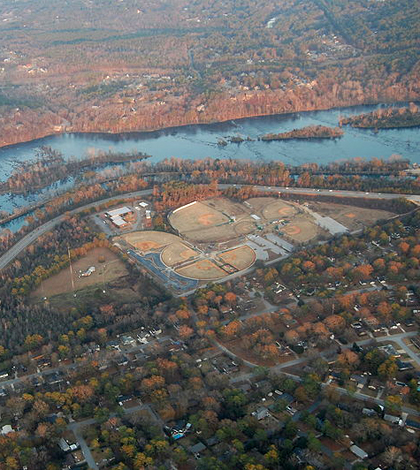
[{"x": 28, "y": 239}]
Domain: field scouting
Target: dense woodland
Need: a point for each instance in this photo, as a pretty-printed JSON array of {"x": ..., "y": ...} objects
[
  {"x": 124, "y": 67},
  {"x": 309, "y": 132}
]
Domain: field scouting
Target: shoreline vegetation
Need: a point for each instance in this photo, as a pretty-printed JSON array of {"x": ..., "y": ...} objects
[
  {"x": 389, "y": 118},
  {"x": 308, "y": 132},
  {"x": 172, "y": 126},
  {"x": 50, "y": 166},
  {"x": 353, "y": 174}
]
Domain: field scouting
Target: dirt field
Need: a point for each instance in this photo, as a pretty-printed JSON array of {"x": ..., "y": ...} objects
[
  {"x": 149, "y": 240},
  {"x": 301, "y": 229},
  {"x": 177, "y": 253},
  {"x": 212, "y": 220},
  {"x": 241, "y": 258},
  {"x": 111, "y": 269},
  {"x": 203, "y": 269},
  {"x": 351, "y": 217},
  {"x": 270, "y": 208}
]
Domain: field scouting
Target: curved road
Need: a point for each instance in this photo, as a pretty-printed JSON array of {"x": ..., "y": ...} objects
[{"x": 28, "y": 239}]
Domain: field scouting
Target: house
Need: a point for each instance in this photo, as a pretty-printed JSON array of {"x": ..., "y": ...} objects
[
  {"x": 128, "y": 341},
  {"x": 263, "y": 385},
  {"x": 212, "y": 441},
  {"x": 75, "y": 459},
  {"x": 361, "y": 380},
  {"x": 261, "y": 413},
  {"x": 196, "y": 449},
  {"x": 6, "y": 429},
  {"x": 359, "y": 452},
  {"x": 402, "y": 365},
  {"x": 179, "y": 430},
  {"x": 284, "y": 396},
  {"x": 416, "y": 341},
  {"x": 121, "y": 360},
  {"x": 368, "y": 412},
  {"x": 66, "y": 447},
  {"x": 55, "y": 378},
  {"x": 225, "y": 309},
  {"x": 245, "y": 388},
  {"x": 389, "y": 350},
  {"x": 413, "y": 424},
  {"x": 392, "y": 419}
]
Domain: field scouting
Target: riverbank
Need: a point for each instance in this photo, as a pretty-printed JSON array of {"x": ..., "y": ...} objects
[
  {"x": 199, "y": 142},
  {"x": 150, "y": 131},
  {"x": 391, "y": 118}
]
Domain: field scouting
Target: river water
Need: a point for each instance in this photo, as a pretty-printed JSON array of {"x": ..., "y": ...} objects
[{"x": 201, "y": 141}]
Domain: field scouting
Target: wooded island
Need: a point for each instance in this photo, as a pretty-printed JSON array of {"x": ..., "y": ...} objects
[
  {"x": 386, "y": 118},
  {"x": 308, "y": 132}
]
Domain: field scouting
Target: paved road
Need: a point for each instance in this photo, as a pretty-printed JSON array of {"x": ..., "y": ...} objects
[
  {"x": 77, "y": 431},
  {"x": 75, "y": 365},
  {"x": 28, "y": 239},
  {"x": 332, "y": 192},
  {"x": 267, "y": 308},
  {"x": 399, "y": 340},
  {"x": 342, "y": 391},
  {"x": 76, "y": 427},
  {"x": 11, "y": 254}
]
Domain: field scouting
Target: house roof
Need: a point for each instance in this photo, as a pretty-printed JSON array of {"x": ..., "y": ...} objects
[
  {"x": 118, "y": 212},
  {"x": 197, "y": 448},
  {"x": 359, "y": 452},
  {"x": 6, "y": 429},
  {"x": 361, "y": 379}
]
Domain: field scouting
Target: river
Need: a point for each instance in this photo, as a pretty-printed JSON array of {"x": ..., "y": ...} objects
[{"x": 201, "y": 141}]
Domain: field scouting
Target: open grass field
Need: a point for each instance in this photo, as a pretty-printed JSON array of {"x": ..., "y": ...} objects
[
  {"x": 271, "y": 208},
  {"x": 241, "y": 258},
  {"x": 351, "y": 217},
  {"x": 211, "y": 221},
  {"x": 227, "y": 207},
  {"x": 150, "y": 240},
  {"x": 203, "y": 269},
  {"x": 176, "y": 253},
  {"x": 301, "y": 229},
  {"x": 113, "y": 268},
  {"x": 278, "y": 210},
  {"x": 196, "y": 216}
]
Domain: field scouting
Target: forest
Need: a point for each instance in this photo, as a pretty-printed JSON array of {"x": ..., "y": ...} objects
[
  {"x": 387, "y": 118},
  {"x": 309, "y": 132},
  {"x": 122, "y": 67}
]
